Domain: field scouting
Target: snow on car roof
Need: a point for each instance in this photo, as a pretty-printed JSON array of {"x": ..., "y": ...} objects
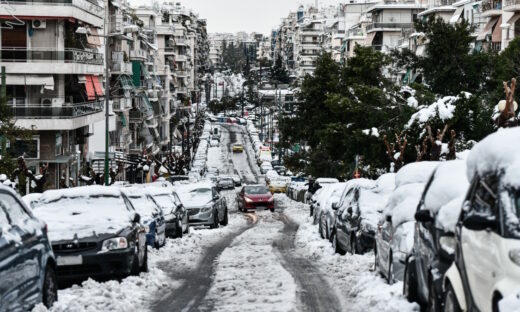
[
  {"x": 449, "y": 182},
  {"x": 82, "y": 191},
  {"x": 327, "y": 180},
  {"x": 494, "y": 153},
  {"x": 417, "y": 172},
  {"x": 402, "y": 203},
  {"x": 386, "y": 182}
]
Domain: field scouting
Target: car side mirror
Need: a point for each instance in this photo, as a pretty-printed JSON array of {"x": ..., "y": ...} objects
[
  {"x": 136, "y": 218},
  {"x": 216, "y": 197},
  {"x": 478, "y": 223},
  {"x": 423, "y": 216},
  {"x": 335, "y": 206},
  {"x": 388, "y": 218}
]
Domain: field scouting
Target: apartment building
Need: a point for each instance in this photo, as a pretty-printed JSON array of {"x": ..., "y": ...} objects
[{"x": 54, "y": 80}]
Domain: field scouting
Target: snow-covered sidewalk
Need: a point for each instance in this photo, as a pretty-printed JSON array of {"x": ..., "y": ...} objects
[{"x": 353, "y": 276}]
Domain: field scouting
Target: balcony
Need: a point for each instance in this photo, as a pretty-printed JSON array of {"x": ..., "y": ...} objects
[
  {"x": 388, "y": 26},
  {"x": 84, "y": 10},
  {"x": 45, "y": 61},
  {"x": 138, "y": 55},
  {"x": 512, "y": 5},
  {"x": 121, "y": 104},
  {"x": 120, "y": 67},
  {"x": 491, "y": 8},
  {"x": 65, "y": 117},
  {"x": 355, "y": 34},
  {"x": 180, "y": 41}
]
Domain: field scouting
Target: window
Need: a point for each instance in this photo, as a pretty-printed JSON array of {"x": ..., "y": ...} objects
[
  {"x": 14, "y": 209},
  {"x": 485, "y": 198},
  {"x": 4, "y": 223}
]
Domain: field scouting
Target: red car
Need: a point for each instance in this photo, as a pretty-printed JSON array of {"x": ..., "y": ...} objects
[{"x": 255, "y": 197}]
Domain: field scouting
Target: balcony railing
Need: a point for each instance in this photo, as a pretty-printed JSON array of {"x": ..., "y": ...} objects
[
  {"x": 36, "y": 111},
  {"x": 355, "y": 33},
  {"x": 89, "y": 6},
  {"x": 508, "y": 3},
  {"x": 488, "y": 5},
  {"x": 389, "y": 25},
  {"x": 47, "y": 55}
]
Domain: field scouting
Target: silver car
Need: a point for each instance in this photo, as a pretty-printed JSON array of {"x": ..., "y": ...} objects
[
  {"x": 225, "y": 183},
  {"x": 205, "y": 205}
]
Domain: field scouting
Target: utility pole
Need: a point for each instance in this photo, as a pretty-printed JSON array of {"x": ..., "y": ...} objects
[{"x": 107, "y": 92}]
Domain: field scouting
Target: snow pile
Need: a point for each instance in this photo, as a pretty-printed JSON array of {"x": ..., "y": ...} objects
[
  {"x": 443, "y": 108},
  {"x": 510, "y": 303},
  {"x": 249, "y": 275},
  {"x": 32, "y": 200},
  {"x": 417, "y": 172},
  {"x": 373, "y": 131},
  {"x": 448, "y": 183},
  {"x": 360, "y": 288},
  {"x": 496, "y": 153},
  {"x": 386, "y": 182}
]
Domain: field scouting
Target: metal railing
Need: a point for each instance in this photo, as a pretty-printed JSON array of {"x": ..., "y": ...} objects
[
  {"x": 67, "y": 111},
  {"x": 511, "y": 3},
  {"x": 24, "y": 55},
  {"x": 389, "y": 25},
  {"x": 89, "y": 6},
  {"x": 488, "y": 5},
  {"x": 355, "y": 33}
]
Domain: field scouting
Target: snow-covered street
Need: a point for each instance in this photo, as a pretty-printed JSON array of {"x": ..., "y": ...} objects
[{"x": 261, "y": 261}]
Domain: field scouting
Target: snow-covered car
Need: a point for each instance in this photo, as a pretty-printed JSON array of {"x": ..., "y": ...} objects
[
  {"x": 225, "y": 183},
  {"x": 278, "y": 185},
  {"x": 175, "y": 215},
  {"x": 297, "y": 190},
  {"x": 236, "y": 179},
  {"x": 269, "y": 175},
  {"x": 317, "y": 184},
  {"x": 394, "y": 236},
  {"x": 432, "y": 252},
  {"x": 266, "y": 166},
  {"x": 213, "y": 170},
  {"x": 331, "y": 194},
  {"x": 487, "y": 235},
  {"x": 32, "y": 200},
  {"x": 205, "y": 205},
  {"x": 151, "y": 215},
  {"x": 211, "y": 177},
  {"x": 238, "y": 148},
  {"x": 28, "y": 271},
  {"x": 93, "y": 227}
]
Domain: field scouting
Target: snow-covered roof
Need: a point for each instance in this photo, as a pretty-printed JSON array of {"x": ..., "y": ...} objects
[{"x": 417, "y": 172}]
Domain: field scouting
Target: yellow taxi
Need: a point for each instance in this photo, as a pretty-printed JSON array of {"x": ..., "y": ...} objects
[
  {"x": 238, "y": 148},
  {"x": 278, "y": 185}
]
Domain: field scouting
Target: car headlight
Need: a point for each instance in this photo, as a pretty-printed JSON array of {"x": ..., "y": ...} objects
[
  {"x": 114, "y": 244},
  {"x": 448, "y": 244},
  {"x": 514, "y": 255},
  {"x": 248, "y": 200},
  {"x": 207, "y": 208}
]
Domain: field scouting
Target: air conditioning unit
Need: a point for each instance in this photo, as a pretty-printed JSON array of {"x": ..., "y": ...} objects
[{"x": 39, "y": 24}]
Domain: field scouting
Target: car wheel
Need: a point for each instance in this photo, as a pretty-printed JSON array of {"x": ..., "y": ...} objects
[
  {"x": 320, "y": 229},
  {"x": 187, "y": 229},
  {"x": 450, "y": 300},
  {"x": 226, "y": 219},
  {"x": 272, "y": 209},
  {"x": 215, "y": 221},
  {"x": 311, "y": 210},
  {"x": 433, "y": 302},
  {"x": 50, "y": 287},
  {"x": 136, "y": 266},
  {"x": 389, "y": 277},
  {"x": 156, "y": 243},
  {"x": 335, "y": 245},
  {"x": 352, "y": 243},
  {"x": 144, "y": 266},
  {"x": 409, "y": 285}
]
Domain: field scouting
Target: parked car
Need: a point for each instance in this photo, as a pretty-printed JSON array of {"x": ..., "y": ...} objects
[
  {"x": 211, "y": 177},
  {"x": 213, "y": 170},
  {"x": 318, "y": 184},
  {"x": 264, "y": 167},
  {"x": 236, "y": 178},
  {"x": 395, "y": 229},
  {"x": 27, "y": 262},
  {"x": 175, "y": 215},
  {"x": 269, "y": 175},
  {"x": 225, "y": 183},
  {"x": 278, "y": 185},
  {"x": 315, "y": 199},
  {"x": 297, "y": 190},
  {"x": 255, "y": 197},
  {"x": 280, "y": 169},
  {"x": 431, "y": 257},
  {"x": 205, "y": 205},
  {"x": 95, "y": 233},
  {"x": 330, "y": 194},
  {"x": 151, "y": 215},
  {"x": 238, "y": 148},
  {"x": 487, "y": 235}
]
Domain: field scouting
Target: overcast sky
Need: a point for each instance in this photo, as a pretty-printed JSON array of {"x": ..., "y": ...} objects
[{"x": 243, "y": 15}]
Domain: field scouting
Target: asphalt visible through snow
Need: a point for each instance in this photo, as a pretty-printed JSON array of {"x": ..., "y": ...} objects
[{"x": 254, "y": 268}]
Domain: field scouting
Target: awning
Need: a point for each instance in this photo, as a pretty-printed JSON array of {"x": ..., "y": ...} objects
[
  {"x": 31, "y": 80},
  {"x": 487, "y": 30},
  {"x": 513, "y": 19},
  {"x": 456, "y": 15},
  {"x": 370, "y": 37},
  {"x": 497, "y": 32},
  {"x": 93, "y": 38},
  {"x": 93, "y": 87}
]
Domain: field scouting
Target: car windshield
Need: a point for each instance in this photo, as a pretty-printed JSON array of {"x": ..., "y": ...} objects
[
  {"x": 145, "y": 207},
  {"x": 4, "y": 223},
  {"x": 227, "y": 180},
  {"x": 200, "y": 195},
  {"x": 164, "y": 201},
  {"x": 256, "y": 190},
  {"x": 511, "y": 219}
]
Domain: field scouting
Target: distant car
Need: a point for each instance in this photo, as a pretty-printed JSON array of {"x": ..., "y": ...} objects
[
  {"x": 213, "y": 170},
  {"x": 264, "y": 167},
  {"x": 255, "y": 197},
  {"x": 238, "y": 148},
  {"x": 205, "y": 205},
  {"x": 214, "y": 143},
  {"x": 176, "y": 178},
  {"x": 211, "y": 177},
  {"x": 280, "y": 169},
  {"x": 151, "y": 215},
  {"x": 236, "y": 178},
  {"x": 27, "y": 262},
  {"x": 278, "y": 185},
  {"x": 93, "y": 227},
  {"x": 270, "y": 175},
  {"x": 226, "y": 183}
]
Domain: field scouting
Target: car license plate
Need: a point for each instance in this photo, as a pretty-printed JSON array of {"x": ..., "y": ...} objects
[{"x": 69, "y": 260}]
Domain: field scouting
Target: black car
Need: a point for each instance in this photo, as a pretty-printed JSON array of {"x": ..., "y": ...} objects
[
  {"x": 95, "y": 232},
  {"x": 27, "y": 263},
  {"x": 425, "y": 267},
  {"x": 175, "y": 215},
  {"x": 225, "y": 183},
  {"x": 356, "y": 219}
]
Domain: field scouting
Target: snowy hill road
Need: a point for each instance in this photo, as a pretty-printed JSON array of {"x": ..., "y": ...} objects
[{"x": 254, "y": 268}]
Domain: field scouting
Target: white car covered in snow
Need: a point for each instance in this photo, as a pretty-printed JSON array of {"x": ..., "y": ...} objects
[
  {"x": 394, "y": 236},
  {"x": 487, "y": 249}
]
